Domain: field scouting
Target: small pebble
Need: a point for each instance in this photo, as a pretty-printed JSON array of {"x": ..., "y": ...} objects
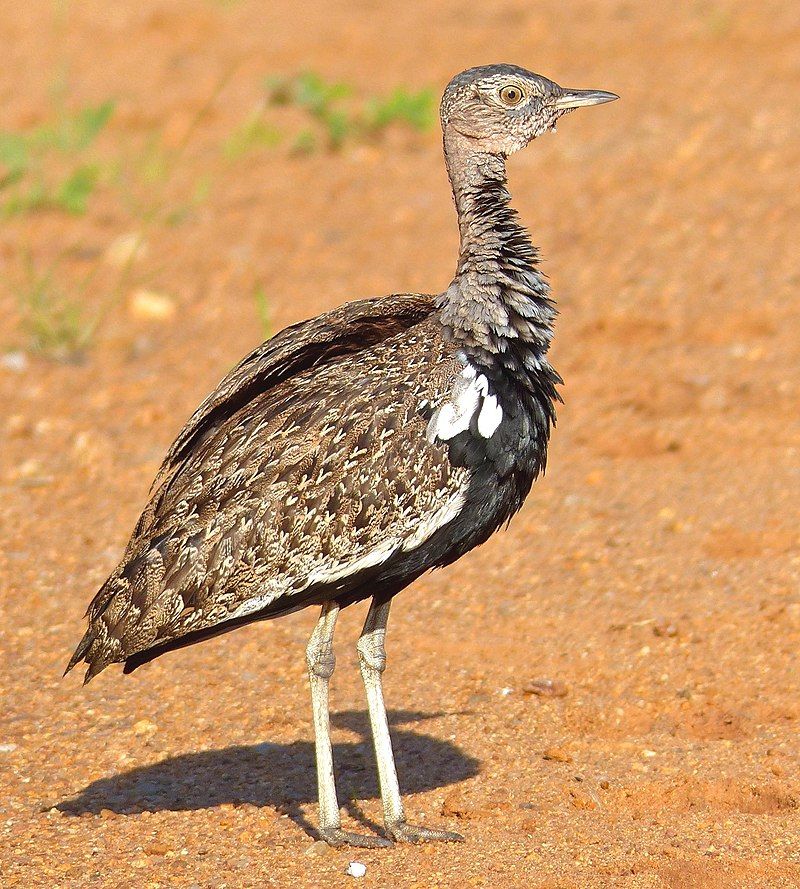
[
  {"x": 144, "y": 727},
  {"x": 582, "y": 799},
  {"x": 356, "y": 869},
  {"x": 7, "y": 748},
  {"x": 148, "y": 305},
  {"x": 665, "y": 628},
  {"x": 546, "y": 688},
  {"x": 28, "y": 468},
  {"x": 318, "y": 847},
  {"x": 14, "y": 361},
  {"x": 556, "y": 754}
]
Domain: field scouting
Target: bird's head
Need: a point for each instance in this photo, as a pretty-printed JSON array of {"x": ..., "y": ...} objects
[{"x": 501, "y": 108}]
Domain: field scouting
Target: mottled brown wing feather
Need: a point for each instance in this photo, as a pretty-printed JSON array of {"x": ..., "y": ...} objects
[{"x": 345, "y": 330}]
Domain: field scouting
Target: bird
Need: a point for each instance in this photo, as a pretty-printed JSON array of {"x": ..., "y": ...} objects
[{"x": 351, "y": 453}]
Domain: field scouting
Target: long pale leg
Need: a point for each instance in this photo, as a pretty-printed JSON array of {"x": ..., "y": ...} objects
[
  {"x": 372, "y": 660},
  {"x": 321, "y": 662}
]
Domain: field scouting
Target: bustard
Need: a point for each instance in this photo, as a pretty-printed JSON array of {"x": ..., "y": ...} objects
[{"x": 353, "y": 452}]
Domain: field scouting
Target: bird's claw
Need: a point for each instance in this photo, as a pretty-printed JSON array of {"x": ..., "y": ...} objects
[
  {"x": 335, "y": 836},
  {"x": 403, "y": 832}
]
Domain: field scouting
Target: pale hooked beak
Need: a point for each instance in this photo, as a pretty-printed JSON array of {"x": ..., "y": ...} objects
[{"x": 567, "y": 99}]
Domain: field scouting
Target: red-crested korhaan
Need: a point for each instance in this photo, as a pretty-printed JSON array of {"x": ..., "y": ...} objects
[{"x": 351, "y": 453}]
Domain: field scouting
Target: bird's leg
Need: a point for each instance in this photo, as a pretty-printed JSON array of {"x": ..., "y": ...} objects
[
  {"x": 321, "y": 662},
  {"x": 372, "y": 660}
]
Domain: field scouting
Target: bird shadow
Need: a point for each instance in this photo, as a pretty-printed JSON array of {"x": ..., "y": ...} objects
[{"x": 281, "y": 776}]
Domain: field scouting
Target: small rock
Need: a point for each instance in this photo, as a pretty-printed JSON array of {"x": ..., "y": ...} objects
[
  {"x": 546, "y": 688},
  {"x": 144, "y": 727},
  {"x": 582, "y": 799},
  {"x": 556, "y": 754},
  {"x": 122, "y": 251},
  {"x": 455, "y": 806},
  {"x": 17, "y": 362},
  {"x": 149, "y": 305},
  {"x": 318, "y": 847},
  {"x": 356, "y": 869},
  {"x": 29, "y": 468},
  {"x": 665, "y": 628},
  {"x": 7, "y": 748},
  {"x": 31, "y": 474}
]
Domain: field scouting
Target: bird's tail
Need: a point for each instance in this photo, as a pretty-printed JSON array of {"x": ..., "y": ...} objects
[
  {"x": 93, "y": 652},
  {"x": 99, "y": 646}
]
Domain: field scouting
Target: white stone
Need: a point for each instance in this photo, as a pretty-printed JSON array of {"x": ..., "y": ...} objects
[{"x": 15, "y": 361}]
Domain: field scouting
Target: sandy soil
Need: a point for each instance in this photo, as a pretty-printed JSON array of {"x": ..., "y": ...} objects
[{"x": 654, "y": 571}]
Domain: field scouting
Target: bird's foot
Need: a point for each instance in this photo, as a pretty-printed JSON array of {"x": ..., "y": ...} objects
[
  {"x": 403, "y": 832},
  {"x": 335, "y": 836}
]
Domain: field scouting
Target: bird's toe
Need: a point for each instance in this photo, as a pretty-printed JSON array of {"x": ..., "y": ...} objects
[
  {"x": 335, "y": 836},
  {"x": 403, "y": 832}
]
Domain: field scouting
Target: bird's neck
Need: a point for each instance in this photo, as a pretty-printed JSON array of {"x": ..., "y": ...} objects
[{"x": 498, "y": 306}]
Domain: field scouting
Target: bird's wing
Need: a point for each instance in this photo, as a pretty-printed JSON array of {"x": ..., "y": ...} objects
[
  {"x": 345, "y": 330},
  {"x": 308, "y": 466}
]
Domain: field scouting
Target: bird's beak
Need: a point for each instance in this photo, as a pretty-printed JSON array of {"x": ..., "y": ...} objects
[{"x": 567, "y": 99}]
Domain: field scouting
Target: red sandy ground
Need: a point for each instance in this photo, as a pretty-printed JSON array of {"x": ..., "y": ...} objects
[{"x": 654, "y": 570}]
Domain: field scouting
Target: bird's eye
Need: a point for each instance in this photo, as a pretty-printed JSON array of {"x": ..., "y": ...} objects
[{"x": 511, "y": 95}]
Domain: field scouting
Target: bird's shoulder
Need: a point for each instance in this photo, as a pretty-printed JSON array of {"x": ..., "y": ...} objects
[{"x": 314, "y": 343}]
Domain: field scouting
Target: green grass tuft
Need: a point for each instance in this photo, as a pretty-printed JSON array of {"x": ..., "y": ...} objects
[
  {"x": 47, "y": 168},
  {"x": 336, "y": 117},
  {"x": 253, "y": 134},
  {"x": 54, "y": 325},
  {"x": 416, "y": 110}
]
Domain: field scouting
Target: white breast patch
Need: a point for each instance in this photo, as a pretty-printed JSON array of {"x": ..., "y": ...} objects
[{"x": 469, "y": 398}]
